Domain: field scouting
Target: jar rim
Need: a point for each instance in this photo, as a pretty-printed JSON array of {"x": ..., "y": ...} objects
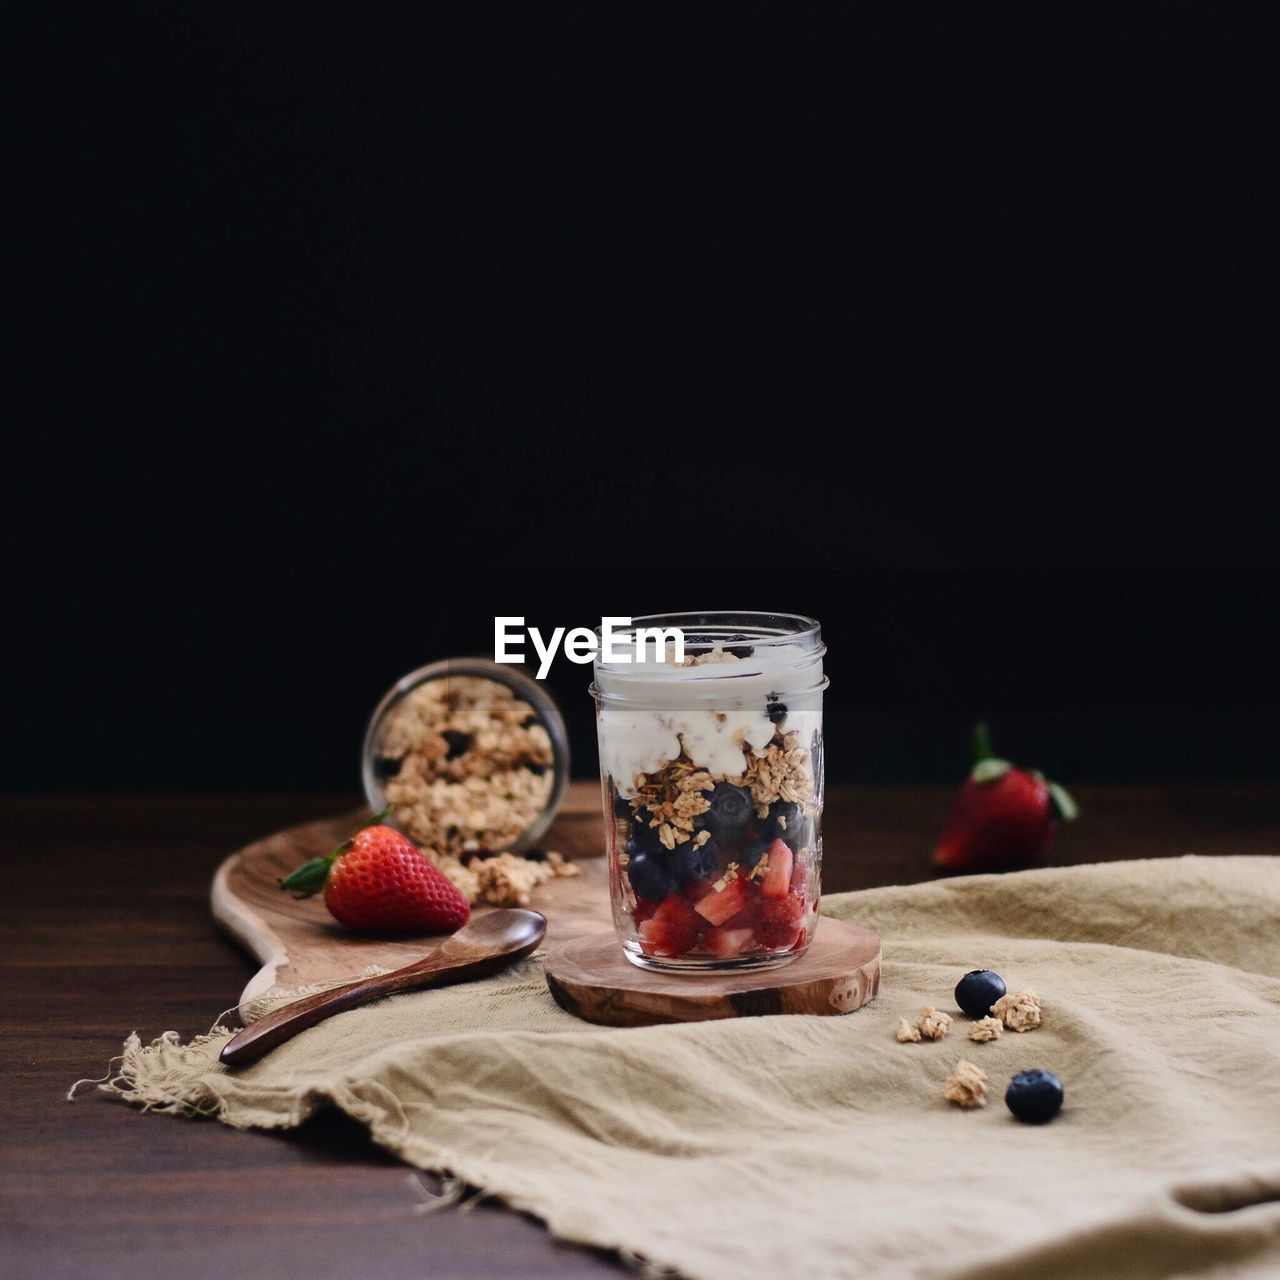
[
  {"x": 793, "y": 638},
  {"x": 749, "y": 625}
]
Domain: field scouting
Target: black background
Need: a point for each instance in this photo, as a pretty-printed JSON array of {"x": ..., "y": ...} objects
[{"x": 333, "y": 335}]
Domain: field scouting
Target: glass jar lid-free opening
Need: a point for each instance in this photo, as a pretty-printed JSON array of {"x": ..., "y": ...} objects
[{"x": 472, "y": 755}]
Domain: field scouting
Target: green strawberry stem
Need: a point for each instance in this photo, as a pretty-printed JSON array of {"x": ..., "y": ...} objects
[
  {"x": 1064, "y": 804},
  {"x": 374, "y": 821},
  {"x": 310, "y": 878},
  {"x": 989, "y": 770},
  {"x": 988, "y": 767}
]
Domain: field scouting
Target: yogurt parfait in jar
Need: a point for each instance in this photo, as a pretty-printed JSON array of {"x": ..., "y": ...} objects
[{"x": 711, "y": 769}]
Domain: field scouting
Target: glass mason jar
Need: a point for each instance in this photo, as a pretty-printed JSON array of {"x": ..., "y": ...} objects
[{"x": 712, "y": 779}]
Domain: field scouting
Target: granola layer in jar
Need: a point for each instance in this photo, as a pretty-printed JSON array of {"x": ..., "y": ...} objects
[{"x": 712, "y": 777}]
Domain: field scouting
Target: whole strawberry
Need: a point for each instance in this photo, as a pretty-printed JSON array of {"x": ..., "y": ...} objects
[
  {"x": 378, "y": 882},
  {"x": 1004, "y": 817}
]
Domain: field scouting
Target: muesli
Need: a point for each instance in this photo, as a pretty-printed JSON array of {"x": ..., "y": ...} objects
[{"x": 466, "y": 764}]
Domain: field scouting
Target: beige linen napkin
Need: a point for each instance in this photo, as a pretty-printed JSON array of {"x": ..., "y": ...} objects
[{"x": 820, "y": 1147}]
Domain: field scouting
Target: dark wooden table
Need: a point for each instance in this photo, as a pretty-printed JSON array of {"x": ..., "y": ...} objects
[{"x": 106, "y": 930}]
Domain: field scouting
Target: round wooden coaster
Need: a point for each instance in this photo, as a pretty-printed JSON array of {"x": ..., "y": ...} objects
[{"x": 591, "y": 978}]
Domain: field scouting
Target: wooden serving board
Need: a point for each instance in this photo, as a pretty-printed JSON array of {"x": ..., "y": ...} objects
[
  {"x": 591, "y": 978},
  {"x": 299, "y": 943}
]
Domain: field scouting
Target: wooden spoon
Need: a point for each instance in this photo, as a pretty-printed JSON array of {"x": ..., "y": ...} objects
[{"x": 485, "y": 945}]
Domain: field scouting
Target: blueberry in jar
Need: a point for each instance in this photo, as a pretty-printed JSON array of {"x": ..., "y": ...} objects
[
  {"x": 785, "y": 819},
  {"x": 696, "y": 863},
  {"x": 801, "y": 837},
  {"x": 755, "y": 841},
  {"x": 621, "y": 806},
  {"x": 647, "y": 870},
  {"x": 643, "y": 836},
  {"x": 978, "y": 990},
  {"x": 1034, "y": 1097},
  {"x": 731, "y": 809}
]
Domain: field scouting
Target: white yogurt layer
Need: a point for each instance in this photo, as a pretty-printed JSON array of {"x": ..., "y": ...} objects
[{"x": 715, "y": 708}]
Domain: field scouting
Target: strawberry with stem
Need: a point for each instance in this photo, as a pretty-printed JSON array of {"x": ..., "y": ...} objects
[
  {"x": 378, "y": 882},
  {"x": 1004, "y": 817}
]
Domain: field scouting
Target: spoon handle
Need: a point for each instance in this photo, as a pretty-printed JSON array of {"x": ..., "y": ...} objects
[
  {"x": 487, "y": 945},
  {"x": 284, "y": 1023}
]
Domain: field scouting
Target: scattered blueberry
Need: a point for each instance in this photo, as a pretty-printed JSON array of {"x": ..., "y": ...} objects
[
  {"x": 701, "y": 863},
  {"x": 647, "y": 871},
  {"x": 537, "y": 769},
  {"x": 386, "y": 766},
  {"x": 731, "y": 809},
  {"x": 1034, "y": 1097},
  {"x": 535, "y": 855},
  {"x": 621, "y": 806},
  {"x": 469, "y": 856},
  {"x": 740, "y": 650},
  {"x": 978, "y": 990},
  {"x": 775, "y": 709},
  {"x": 459, "y": 743}
]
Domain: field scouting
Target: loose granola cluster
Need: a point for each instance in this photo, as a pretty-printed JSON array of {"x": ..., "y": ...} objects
[
  {"x": 933, "y": 1023},
  {"x": 929, "y": 1024},
  {"x": 466, "y": 764},
  {"x": 1020, "y": 1011},
  {"x": 986, "y": 1029},
  {"x": 503, "y": 879},
  {"x": 967, "y": 1085}
]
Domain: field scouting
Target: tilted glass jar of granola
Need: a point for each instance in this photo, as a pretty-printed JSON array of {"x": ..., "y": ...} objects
[
  {"x": 712, "y": 779},
  {"x": 474, "y": 759}
]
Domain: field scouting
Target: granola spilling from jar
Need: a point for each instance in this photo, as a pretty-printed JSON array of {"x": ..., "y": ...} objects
[
  {"x": 468, "y": 768},
  {"x": 503, "y": 879}
]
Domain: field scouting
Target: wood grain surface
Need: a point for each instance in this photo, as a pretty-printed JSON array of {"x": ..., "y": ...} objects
[
  {"x": 592, "y": 978},
  {"x": 299, "y": 942},
  {"x": 107, "y": 930}
]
